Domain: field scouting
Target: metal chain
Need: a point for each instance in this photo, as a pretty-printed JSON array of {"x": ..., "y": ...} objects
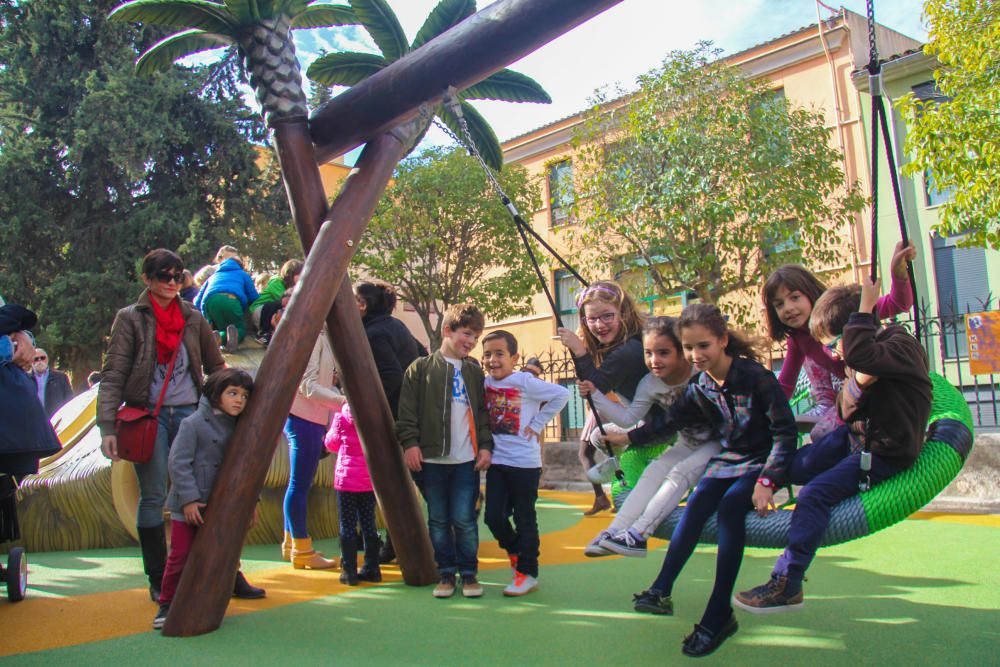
[
  {"x": 451, "y": 102},
  {"x": 872, "y": 46}
]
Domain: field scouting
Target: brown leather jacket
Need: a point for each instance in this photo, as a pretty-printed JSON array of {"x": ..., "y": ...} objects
[{"x": 131, "y": 357}]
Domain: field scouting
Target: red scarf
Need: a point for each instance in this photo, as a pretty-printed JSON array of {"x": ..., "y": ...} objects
[{"x": 169, "y": 327}]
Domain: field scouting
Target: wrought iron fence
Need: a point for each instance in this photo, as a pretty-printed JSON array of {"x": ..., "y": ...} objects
[{"x": 943, "y": 336}]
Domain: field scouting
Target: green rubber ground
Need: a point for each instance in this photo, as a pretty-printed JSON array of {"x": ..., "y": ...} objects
[{"x": 924, "y": 592}]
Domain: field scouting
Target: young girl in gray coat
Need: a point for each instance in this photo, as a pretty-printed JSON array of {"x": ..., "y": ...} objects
[{"x": 195, "y": 457}]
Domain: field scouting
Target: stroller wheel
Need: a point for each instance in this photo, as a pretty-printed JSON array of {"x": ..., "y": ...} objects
[{"x": 16, "y": 574}]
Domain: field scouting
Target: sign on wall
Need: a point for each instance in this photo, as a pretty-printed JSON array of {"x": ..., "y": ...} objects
[{"x": 983, "y": 332}]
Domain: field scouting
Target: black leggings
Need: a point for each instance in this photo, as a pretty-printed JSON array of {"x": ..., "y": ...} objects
[{"x": 358, "y": 507}]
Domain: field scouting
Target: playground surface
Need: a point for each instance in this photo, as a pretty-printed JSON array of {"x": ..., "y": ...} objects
[{"x": 923, "y": 592}]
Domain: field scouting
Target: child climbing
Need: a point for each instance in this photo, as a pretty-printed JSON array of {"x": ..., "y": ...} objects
[
  {"x": 789, "y": 296},
  {"x": 666, "y": 478},
  {"x": 743, "y": 400},
  {"x": 195, "y": 457},
  {"x": 355, "y": 501},
  {"x": 609, "y": 355},
  {"x": 519, "y": 406},
  {"x": 225, "y": 297}
]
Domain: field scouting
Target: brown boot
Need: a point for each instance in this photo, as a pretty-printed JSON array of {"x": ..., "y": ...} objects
[
  {"x": 304, "y": 557},
  {"x": 601, "y": 503},
  {"x": 286, "y": 548}
]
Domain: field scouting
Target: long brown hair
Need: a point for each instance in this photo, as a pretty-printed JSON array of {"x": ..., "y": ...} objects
[
  {"x": 710, "y": 317},
  {"x": 609, "y": 292},
  {"x": 794, "y": 278}
]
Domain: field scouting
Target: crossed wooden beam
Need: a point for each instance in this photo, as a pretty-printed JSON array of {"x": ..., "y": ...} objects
[{"x": 368, "y": 113}]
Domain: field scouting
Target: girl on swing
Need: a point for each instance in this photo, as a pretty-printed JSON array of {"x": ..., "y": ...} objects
[
  {"x": 735, "y": 394},
  {"x": 789, "y": 295},
  {"x": 609, "y": 355}
]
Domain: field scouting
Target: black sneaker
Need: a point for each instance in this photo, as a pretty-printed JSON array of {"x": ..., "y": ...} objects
[
  {"x": 653, "y": 602},
  {"x": 769, "y": 598},
  {"x": 244, "y": 590},
  {"x": 161, "y": 617},
  {"x": 626, "y": 544}
]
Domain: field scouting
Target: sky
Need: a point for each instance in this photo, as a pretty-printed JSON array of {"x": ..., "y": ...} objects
[{"x": 616, "y": 46}]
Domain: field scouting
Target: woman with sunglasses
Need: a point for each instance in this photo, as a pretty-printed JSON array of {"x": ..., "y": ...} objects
[{"x": 146, "y": 336}]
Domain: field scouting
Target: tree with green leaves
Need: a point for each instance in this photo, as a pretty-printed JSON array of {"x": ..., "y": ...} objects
[
  {"x": 258, "y": 28},
  {"x": 378, "y": 19},
  {"x": 954, "y": 138},
  {"x": 98, "y": 166},
  {"x": 705, "y": 180},
  {"x": 441, "y": 238}
]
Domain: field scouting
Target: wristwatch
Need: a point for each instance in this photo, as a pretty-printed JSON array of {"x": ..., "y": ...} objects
[{"x": 767, "y": 483}]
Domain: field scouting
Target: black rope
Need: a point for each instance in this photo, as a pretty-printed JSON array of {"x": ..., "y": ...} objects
[{"x": 523, "y": 229}]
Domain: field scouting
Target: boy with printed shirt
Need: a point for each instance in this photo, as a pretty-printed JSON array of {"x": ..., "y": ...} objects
[
  {"x": 443, "y": 428},
  {"x": 519, "y": 406}
]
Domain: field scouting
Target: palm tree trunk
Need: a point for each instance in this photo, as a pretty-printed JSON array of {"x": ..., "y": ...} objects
[{"x": 275, "y": 74}]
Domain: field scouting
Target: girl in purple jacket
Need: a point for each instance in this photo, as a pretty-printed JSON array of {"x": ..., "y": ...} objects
[{"x": 355, "y": 501}]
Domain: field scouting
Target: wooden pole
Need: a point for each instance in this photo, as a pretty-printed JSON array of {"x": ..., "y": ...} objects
[
  {"x": 207, "y": 583},
  {"x": 468, "y": 52}
]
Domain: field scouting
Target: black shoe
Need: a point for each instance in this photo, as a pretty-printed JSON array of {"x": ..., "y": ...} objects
[
  {"x": 387, "y": 553},
  {"x": 244, "y": 590},
  {"x": 161, "y": 617},
  {"x": 653, "y": 602},
  {"x": 777, "y": 595},
  {"x": 701, "y": 641},
  {"x": 349, "y": 577}
]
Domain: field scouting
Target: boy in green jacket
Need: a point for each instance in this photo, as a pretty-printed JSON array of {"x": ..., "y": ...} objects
[{"x": 443, "y": 427}]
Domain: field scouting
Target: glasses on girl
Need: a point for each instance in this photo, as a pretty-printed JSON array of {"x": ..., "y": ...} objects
[
  {"x": 832, "y": 345},
  {"x": 606, "y": 318}
]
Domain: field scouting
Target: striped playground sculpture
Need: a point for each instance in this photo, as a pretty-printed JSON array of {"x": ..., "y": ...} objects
[{"x": 949, "y": 441}]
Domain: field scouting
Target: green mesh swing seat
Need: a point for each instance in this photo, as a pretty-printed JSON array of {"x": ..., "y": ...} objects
[{"x": 949, "y": 441}]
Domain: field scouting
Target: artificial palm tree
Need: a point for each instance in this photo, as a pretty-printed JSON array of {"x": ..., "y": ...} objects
[
  {"x": 258, "y": 28},
  {"x": 349, "y": 68}
]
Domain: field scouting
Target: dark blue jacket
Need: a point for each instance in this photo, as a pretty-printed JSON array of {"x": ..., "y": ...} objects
[{"x": 230, "y": 278}]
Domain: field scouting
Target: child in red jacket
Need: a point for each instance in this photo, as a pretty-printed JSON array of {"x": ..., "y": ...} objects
[{"x": 355, "y": 501}]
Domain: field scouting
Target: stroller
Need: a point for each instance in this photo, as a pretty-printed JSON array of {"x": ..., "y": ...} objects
[{"x": 15, "y": 575}]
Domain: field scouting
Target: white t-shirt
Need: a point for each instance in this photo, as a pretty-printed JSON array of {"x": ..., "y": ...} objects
[
  {"x": 461, "y": 437},
  {"x": 514, "y": 403}
]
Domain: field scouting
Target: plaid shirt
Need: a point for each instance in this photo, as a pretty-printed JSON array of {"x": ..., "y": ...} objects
[{"x": 750, "y": 411}]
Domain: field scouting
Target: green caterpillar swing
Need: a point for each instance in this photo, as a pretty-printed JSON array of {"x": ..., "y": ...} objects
[{"x": 948, "y": 443}]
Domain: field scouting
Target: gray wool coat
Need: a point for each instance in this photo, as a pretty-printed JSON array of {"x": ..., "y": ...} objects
[{"x": 196, "y": 455}]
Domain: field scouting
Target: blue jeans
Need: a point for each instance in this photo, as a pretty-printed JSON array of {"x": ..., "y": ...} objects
[
  {"x": 305, "y": 444},
  {"x": 830, "y": 473},
  {"x": 731, "y": 498},
  {"x": 511, "y": 490},
  {"x": 152, "y": 475},
  {"x": 451, "y": 491}
]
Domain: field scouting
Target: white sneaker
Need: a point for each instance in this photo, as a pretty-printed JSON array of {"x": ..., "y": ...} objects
[
  {"x": 595, "y": 550},
  {"x": 521, "y": 585}
]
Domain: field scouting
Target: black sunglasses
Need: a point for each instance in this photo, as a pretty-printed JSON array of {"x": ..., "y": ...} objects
[
  {"x": 40, "y": 358},
  {"x": 167, "y": 276}
]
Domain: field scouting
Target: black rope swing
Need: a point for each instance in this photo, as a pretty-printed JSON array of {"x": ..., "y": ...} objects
[
  {"x": 880, "y": 122},
  {"x": 525, "y": 230}
]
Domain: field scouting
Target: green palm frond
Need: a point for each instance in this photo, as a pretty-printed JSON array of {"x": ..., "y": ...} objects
[
  {"x": 200, "y": 14},
  {"x": 482, "y": 134},
  {"x": 345, "y": 69},
  {"x": 446, "y": 14},
  {"x": 162, "y": 54},
  {"x": 323, "y": 16},
  {"x": 240, "y": 9},
  {"x": 508, "y": 86},
  {"x": 383, "y": 26}
]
